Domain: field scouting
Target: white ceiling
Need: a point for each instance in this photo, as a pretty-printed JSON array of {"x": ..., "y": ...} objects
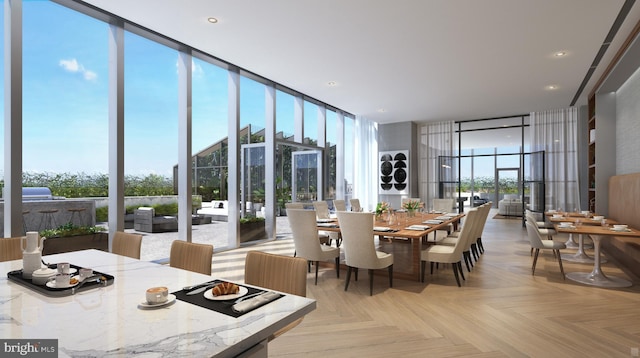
[{"x": 419, "y": 60}]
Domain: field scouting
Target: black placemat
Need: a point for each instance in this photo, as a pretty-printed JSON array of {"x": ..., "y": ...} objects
[{"x": 224, "y": 307}]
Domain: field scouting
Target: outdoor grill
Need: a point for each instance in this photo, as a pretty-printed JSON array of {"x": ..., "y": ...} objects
[{"x": 36, "y": 193}]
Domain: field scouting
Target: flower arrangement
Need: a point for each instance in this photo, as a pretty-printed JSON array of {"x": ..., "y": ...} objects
[
  {"x": 382, "y": 207},
  {"x": 412, "y": 205}
]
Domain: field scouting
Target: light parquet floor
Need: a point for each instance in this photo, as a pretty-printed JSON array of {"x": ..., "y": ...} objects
[{"x": 501, "y": 310}]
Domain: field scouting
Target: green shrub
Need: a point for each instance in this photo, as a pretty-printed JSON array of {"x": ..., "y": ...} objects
[{"x": 69, "y": 229}]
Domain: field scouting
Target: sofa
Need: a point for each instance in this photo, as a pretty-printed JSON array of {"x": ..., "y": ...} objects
[
  {"x": 218, "y": 210},
  {"x": 510, "y": 205}
]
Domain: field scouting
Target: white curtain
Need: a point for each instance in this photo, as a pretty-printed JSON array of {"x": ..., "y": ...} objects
[
  {"x": 555, "y": 132},
  {"x": 365, "y": 159},
  {"x": 436, "y": 139}
]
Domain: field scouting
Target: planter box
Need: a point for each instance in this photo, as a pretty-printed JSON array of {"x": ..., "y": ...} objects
[
  {"x": 252, "y": 232},
  {"x": 56, "y": 245}
]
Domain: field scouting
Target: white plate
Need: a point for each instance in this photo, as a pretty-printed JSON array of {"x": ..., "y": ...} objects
[
  {"x": 327, "y": 225},
  {"x": 324, "y": 220},
  {"x": 209, "y": 295},
  {"x": 170, "y": 299},
  {"x": 51, "y": 284},
  {"x": 620, "y": 230},
  {"x": 381, "y": 228},
  {"x": 417, "y": 227}
]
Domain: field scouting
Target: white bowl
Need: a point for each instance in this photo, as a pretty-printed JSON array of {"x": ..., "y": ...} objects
[
  {"x": 557, "y": 216},
  {"x": 620, "y": 227},
  {"x": 598, "y": 217},
  {"x": 552, "y": 211},
  {"x": 564, "y": 224},
  {"x": 585, "y": 212},
  {"x": 41, "y": 276}
]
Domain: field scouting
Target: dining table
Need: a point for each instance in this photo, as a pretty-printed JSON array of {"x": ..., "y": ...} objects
[
  {"x": 114, "y": 319},
  {"x": 598, "y": 233},
  {"x": 404, "y": 229},
  {"x": 579, "y": 219}
]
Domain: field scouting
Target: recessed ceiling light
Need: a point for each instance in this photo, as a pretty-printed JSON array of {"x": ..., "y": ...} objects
[
  {"x": 551, "y": 87},
  {"x": 212, "y": 20},
  {"x": 560, "y": 54},
  {"x": 332, "y": 83},
  {"x": 382, "y": 110}
]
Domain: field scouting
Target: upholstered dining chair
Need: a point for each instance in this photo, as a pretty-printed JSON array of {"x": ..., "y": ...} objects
[
  {"x": 473, "y": 222},
  {"x": 127, "y": 244},
  {"x": 322, "y": 209},
  {"x": 537, "y": 243},
  {"x": 296, "y": 205},
  {"x": 543, "y": 231},
  {"x": 444, "y": 205},
  {"x": 450, "y": 254},
  {"x": 339, "y": 205},
  {"x": 322, "y": 237},
  {"x": 191, "y": 256},
  {"x": 355, "y": 205},
  {"x": 276, "y": 272},
  {"x": 359, "y": 247},
  {"x": 10, "y": 248},
  {"x": 303, "y": 229},
  {"x": 322, "y": 213}
]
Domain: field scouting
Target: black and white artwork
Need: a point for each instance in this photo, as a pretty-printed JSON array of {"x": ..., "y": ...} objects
[{"x": 394, "y": 172}]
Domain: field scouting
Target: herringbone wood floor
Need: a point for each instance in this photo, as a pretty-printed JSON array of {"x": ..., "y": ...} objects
[{"x": 501, "y": 310}]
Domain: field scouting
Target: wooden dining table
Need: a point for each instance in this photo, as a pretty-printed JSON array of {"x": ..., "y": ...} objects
[
  {"x": 578, "y": 218},
  {"x": 399, "y": 232},
  {"x": 597, "y": 233}
]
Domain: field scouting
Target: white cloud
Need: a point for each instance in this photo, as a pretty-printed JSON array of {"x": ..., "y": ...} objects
[{"x": 74, "y": 66}]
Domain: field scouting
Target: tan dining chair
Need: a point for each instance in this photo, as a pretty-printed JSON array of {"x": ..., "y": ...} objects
[
  {"x": 450, "y": 254},
  {"x": 127, "y": 244},
  {"x": 359, "y": 247},
  {"x": 339, "y": 205},
  {"x": 296, "y": 205},
  {"x": 191, "y": 256},
  {"x": 10, "y": 248},
  {"x": 537, "y": 243},
  {"x": 276, "y": 272},
  {"x": 304, "y": 232},
  {"x": 355, "y": 205}
]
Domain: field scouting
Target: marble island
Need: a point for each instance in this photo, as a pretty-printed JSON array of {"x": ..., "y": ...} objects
[{"x": 107, "y": 322}]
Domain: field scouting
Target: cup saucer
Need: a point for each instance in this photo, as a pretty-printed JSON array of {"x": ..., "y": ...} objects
[
  {"x": 170, "y": 299},
  {"x": 52, "y": 284}
]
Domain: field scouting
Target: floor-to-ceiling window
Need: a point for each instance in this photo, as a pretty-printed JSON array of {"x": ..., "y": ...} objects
[
  {"x": 331, "y": 155},
  {"x": 210, "y": 141},
  {"x": 65, "y": 109},
  {"x": 349, "y": 175}
]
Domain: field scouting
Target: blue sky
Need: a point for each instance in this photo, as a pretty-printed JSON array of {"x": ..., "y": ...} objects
[{"x": 65, "y": 97}]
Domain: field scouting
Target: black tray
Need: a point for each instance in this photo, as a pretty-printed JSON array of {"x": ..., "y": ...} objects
[{"x": 16, "y": 276}]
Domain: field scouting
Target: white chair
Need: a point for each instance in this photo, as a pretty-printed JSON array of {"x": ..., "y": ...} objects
[
  {"x": 339, "y": 205},
  {"x": 450, "y": 254},
  {"x": 323, "y": 238},
  {"x": 322, "y": 213},
  {"x": 322, "y": 209},
  {"x": 355, "y": 205},
  {"x": 359, "y": 247},
  {"x": 473, "y": 222},
  {"x": 537, "y": 243},
  {"x": 303, "y": 229},
  {"x": 444, "y": 205}
]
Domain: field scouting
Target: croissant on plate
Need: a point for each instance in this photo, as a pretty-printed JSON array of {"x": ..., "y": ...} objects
[{"x": 225, "y": 288}]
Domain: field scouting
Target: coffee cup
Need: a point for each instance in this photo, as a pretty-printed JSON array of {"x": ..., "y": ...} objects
[
  {"x": 61, "y": 280},
  {"x": 85, "y": 273},
  {"x": 156, "y": 295},
  {"x": 64, "y": 267}
]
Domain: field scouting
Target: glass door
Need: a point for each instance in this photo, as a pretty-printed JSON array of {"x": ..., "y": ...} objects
[
  {"x": 307, "y": 175},
  {"x": 252, "y": 179}
]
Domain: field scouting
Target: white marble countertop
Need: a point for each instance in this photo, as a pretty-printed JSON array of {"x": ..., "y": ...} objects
[{"x": 106, "y": 321}]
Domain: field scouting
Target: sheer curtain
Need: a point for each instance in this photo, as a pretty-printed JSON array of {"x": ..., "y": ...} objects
[
  {"x": 365, "y": 159},
  {"x": 436, "y": 139},
  {"x": 555, "y": 132}
]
